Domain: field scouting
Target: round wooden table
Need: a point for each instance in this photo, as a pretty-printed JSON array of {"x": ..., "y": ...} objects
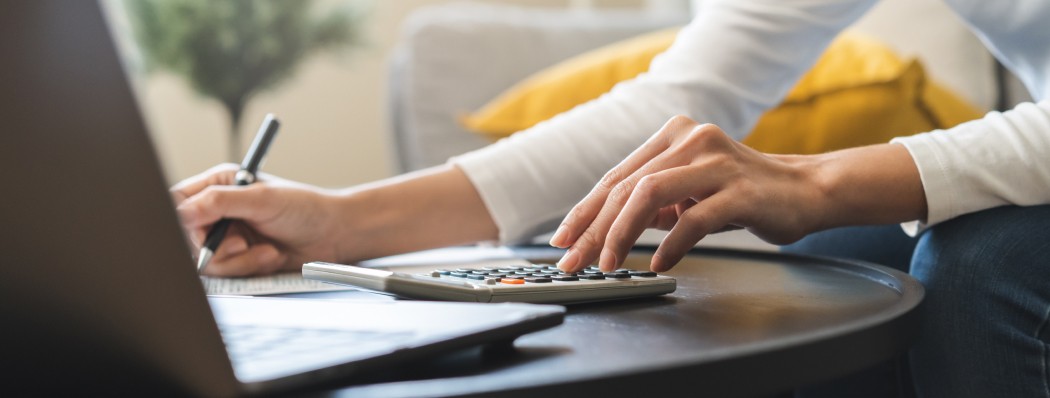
[{"x": 741, "y": 323}]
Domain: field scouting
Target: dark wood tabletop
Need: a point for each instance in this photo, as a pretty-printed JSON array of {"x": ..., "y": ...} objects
[{"x": 741, "y": 323}]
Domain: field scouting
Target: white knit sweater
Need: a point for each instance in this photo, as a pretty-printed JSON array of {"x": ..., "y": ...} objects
[{"x": 739, "y": 58}]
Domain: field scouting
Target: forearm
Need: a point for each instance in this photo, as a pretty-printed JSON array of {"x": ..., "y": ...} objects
[
  {"x": 871, "y": 185},
  {"x": 428, "y": 209},
  {"x": 732, "y": 63}
]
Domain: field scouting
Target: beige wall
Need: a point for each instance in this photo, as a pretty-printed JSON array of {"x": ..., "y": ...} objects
[{"x": 335, "y": 129}]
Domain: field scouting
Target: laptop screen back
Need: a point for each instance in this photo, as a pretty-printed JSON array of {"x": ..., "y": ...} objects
[{"x": 97, "y": 287}]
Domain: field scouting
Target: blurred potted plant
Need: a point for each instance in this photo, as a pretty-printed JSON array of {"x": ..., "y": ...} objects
[{"x": 231, "y": 50}]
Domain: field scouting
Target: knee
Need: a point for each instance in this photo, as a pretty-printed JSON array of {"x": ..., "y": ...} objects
[
  {"x": 973, "y": 264},
  {"x": 967, "y": 251},
  {"x": 982, "y": 321}
]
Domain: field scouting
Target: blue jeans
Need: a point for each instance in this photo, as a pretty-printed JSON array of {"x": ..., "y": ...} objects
[{"x": 984, "y": 322}]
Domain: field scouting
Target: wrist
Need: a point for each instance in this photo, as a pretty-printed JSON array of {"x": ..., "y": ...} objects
[
  {"x": 427, "y": 209},
  {"x": 814, "y": 187},
  {"x": 358, "y": 218},
  {"x": 873, "y": 185},
  {"x": 825, "y": 182}
]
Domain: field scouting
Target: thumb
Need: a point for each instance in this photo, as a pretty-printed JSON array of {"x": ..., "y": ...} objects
[{"x": 250, "y": 203}]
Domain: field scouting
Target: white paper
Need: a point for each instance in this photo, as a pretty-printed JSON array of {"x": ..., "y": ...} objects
[
  {"x": 263, "y": 285},
  {"x": 452, "y": 257}
]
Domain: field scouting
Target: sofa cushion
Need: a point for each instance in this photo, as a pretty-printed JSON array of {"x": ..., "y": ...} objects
[
  {"x": 454, "y": 58},
  {"x": 858, "y": 93}
]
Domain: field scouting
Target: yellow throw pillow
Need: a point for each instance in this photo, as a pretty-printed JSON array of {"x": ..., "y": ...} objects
[{"x": 858, "y": 93}]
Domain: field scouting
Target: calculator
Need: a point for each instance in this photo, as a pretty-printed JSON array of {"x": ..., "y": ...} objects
[{"x": 537, "y": 283}]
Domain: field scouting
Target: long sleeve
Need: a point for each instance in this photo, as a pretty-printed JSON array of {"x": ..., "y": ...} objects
[
  {"x": 1002, "y": 159},
  {"x": 734, "y": 61}
]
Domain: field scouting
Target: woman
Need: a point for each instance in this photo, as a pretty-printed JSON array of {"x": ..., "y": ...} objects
[{"x": 984, "y": 260}]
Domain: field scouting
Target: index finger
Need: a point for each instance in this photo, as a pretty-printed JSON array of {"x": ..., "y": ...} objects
[
  {"x": 653, "y": 193},
  {"x": 581, "y": 215},
  {"x": 252, "y": 203},
  {"x": 222, "y": 174}
]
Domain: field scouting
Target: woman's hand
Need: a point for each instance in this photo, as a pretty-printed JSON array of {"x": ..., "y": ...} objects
[
  {"x": 280, "y": 224},
  {"x": 693, "y": 180}
]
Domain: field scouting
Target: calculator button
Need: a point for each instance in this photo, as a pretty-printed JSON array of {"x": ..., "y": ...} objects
[
  {"x": 506, "y": 271},
  {"x": 513, "y": 281},
  {"x": 593, "y": 268},
  {"x": 589, "y": 272},
  {"x": 523, "y": 273},
  {"x": 435, "y": 274},
  {"x": 443, "y": 271},
  {"x": 514, "y": 277},
  {"x": 491, "y": 281},
  {"x": 489, "y": 269},
  {"x": 515, "y": 267},
  {"x": 458, "y": 274},
  {"x": 617, "y": 275},
  {"x": 479, "y": 272},
  {"x": 622, "y": 271},
  {"x": 592, "y": 276},
  {"x": 550, "y": 272},
  {"x": 532, "y": 269},
  {"x": 538, "y": 280},
  {"x": 643, "y": 274},
  {"x": 465, "y": 270},
  {"x": 565, "y": 278},
  {"x": 476, "y": 277}
]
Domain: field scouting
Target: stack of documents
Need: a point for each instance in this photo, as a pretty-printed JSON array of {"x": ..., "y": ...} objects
[{"x": 263, "y": 285}]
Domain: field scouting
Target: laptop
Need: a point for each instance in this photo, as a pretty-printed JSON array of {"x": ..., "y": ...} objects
[{"x": 98, "y": 291}]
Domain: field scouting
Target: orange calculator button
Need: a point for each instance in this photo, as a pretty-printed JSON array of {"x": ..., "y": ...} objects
[{"x": 513, "y": 281}]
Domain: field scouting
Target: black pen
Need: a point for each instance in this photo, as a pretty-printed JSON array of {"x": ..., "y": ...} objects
[{"x": 252, "y": 161}]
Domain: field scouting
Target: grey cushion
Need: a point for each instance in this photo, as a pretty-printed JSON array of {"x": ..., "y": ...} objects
[{"x": 454, "y": 58}]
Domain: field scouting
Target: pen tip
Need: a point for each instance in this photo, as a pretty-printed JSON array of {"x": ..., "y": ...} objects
[{"x": 203, "y": 258}]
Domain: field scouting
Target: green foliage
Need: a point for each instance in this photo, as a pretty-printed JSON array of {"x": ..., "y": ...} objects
[{"x": 232, "y": 49}]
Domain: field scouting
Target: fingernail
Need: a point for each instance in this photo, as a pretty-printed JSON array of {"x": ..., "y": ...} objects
[
  {"x": 608, "y": 261},
  {"x": 558, "y": 237},
  {"x": 568, "y": 262},
  {"x": 657, "y": 265}
]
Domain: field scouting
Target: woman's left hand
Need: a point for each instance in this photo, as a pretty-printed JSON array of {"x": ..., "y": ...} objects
[{"x": 693, "y": 180}]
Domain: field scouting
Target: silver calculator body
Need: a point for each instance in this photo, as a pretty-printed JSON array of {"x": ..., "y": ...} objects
[{"x": 538, "y": 284}]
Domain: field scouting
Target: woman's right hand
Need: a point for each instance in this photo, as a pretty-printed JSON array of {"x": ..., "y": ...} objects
[{"x": 280, "y": 224}]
